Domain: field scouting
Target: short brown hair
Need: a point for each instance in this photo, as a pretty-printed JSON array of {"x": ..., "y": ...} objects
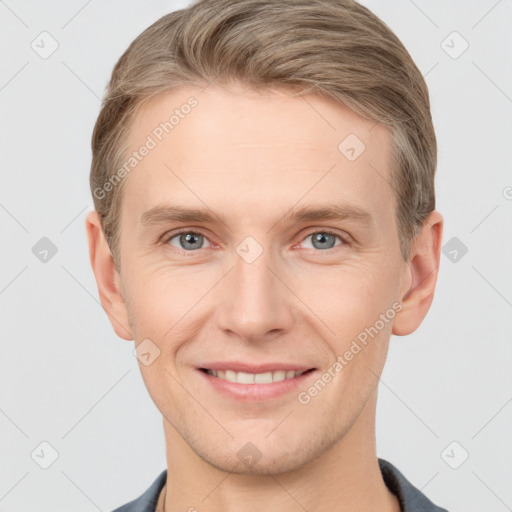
[{"x": 334, "y": 48}]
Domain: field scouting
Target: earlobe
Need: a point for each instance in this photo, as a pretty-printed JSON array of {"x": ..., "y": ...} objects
[
  {"x": 423, "y": 268},
  {"x": 107, "y": 277}
]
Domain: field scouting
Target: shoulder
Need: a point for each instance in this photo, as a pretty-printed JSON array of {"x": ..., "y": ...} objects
[
  {"x": 411, "y": 499},
  {"x": 147, "y": 501}
]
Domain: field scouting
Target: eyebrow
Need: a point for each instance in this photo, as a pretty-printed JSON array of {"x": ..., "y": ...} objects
[{"x": 333, "y": 212}]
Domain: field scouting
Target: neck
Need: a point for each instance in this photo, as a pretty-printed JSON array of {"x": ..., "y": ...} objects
[{"x": 345, "y": 477}]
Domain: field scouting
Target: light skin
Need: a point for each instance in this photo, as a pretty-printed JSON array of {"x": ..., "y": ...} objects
[{"x": 254, "y": 157}]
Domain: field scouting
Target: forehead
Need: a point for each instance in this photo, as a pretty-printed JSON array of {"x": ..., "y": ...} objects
[{"x": 264, "y": 149}]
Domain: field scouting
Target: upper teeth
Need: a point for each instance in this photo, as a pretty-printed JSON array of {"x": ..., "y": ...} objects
[{"x": 254, "y": 378}]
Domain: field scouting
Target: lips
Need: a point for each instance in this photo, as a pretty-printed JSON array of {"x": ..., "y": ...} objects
[{"x": 246, "y": 382}]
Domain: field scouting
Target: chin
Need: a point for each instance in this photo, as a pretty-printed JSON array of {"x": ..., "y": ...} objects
[
  {"x": 274, "y": 465},
  {"x": 262, "y": 456}
]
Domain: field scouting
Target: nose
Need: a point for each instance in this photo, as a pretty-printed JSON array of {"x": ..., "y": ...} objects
[{"x": 254, "y": 300}]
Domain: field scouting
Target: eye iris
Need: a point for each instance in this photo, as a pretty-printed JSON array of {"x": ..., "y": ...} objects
[
  {"x": 188, "y": 237},
  {"x": 321, "y": 237}
]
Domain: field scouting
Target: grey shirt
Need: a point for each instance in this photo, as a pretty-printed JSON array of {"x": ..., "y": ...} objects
[{"x": 410, "y": 498}]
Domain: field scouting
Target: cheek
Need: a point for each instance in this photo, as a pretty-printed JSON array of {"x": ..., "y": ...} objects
[
  {"x": 347, "y": 298},
  {"x": 145, "y": 305},
  {"x": 160, "y": 301}
]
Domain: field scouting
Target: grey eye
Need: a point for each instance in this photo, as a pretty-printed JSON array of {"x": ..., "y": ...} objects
[
  {"x": 323, "y": 240},
  {"x": 188, "y": 240}
]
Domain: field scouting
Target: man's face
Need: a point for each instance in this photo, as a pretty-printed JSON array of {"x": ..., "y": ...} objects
[{"x": 261, "y": 287}]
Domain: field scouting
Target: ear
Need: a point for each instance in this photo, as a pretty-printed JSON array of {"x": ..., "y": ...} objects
[
  {"x": 107, "y": 277},
  {"x": 422, "y": 271}
]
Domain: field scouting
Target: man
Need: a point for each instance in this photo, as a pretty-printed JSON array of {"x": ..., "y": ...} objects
[{"x": 263, "y": 178}]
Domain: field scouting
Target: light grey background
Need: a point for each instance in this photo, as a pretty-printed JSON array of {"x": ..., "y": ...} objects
[{"x": 68, "y": 380}]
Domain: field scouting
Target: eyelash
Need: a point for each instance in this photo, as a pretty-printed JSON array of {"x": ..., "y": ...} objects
[{"x": 169, "y": 237}]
